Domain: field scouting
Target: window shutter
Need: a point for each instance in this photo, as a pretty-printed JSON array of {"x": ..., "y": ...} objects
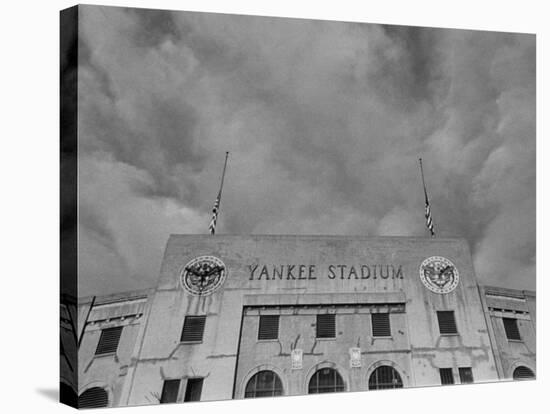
[
  {"x": 447, "y": 324},
  {"x": 269, "y": 327},
  {"x": 326, "y": 380},
  {"x": 446, "y": 375},
  {"x": 193, "y": 390},
  {"x": 326, "y": 326},
  {"x": 466, "y": 376},
  {"x": 511, "y": 328},
  {"x": 108, "y": 341},
  {"x": 380, "y": 324},
  {"x": 385, "y": 377},
  {"x": 521, "y": 373},
  {"x": 170, "y": 391},
  {"x": 264, "y": 384},
  {"x": 193, "y": 329},
  {"x": 93, "y": 398}
]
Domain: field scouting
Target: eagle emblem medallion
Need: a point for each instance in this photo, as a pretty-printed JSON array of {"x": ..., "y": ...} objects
[
  {"x": 439, "y": 274},
  {"x": 203, "y": 275}
]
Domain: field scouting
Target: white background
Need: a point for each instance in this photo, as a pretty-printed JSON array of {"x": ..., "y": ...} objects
[{"x": 29, "y": 211}]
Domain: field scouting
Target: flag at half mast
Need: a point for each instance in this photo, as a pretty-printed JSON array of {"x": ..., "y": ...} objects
[
  {"x": 428, "y": 211},
  {"x": 216, "y": 209}
]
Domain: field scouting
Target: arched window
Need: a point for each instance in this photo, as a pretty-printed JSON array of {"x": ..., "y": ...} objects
[
  {"x": 521, "y": 373},
  {"x": 385, "y": 377},
  {"x": 93, "y": 398},
  {"x": 326, "y": 380},
  {"x": 264, "y": 384}
]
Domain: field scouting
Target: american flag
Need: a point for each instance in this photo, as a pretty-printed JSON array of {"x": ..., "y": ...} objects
[
  {"x": 429, "y": 220},
  {"x": 216, "y": 209},
  {"x": 212, "y": 226},
  {"x": 428, "y": 211}
]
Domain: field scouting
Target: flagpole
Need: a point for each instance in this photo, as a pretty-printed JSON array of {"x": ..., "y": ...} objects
[
  {"x": 428, "y": 212},
  {"x": 223, "y": 173},
  {"x": 423, "y": 182},
  {"x": 216, "y": 209}
]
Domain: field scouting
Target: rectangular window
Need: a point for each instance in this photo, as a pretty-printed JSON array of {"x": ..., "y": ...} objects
[
  {"x": 108, "y": 341},
  {"x": 170, "y": 391},
  {"x": 269, "y": 327},
  {"x": 380, "y": 324},
  {"x": 466, "y": 376},
  {"x": 447, "y": 323},
  {"x": 446, "y": 375},
  {"x": 511, "y": 328},
  {"x": 193, "y": 329},
  {"x": 193, "y": 390},
  {"x": 326, "y": 326}
]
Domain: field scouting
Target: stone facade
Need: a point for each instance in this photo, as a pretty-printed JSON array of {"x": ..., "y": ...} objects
[
  {"x": 295, "y": 279},
  {"x": 520, "y": 306}
]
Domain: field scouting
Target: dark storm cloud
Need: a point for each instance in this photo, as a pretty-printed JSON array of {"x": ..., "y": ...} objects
[
  {"x": 413, "y": 75},
  {"x": 325, "y": 122},
  {"x": 155, "y": 27},
  {"x": 97, "y": 227}
]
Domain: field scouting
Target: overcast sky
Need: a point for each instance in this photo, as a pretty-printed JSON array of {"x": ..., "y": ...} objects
[{"x": 325, "y": 122}]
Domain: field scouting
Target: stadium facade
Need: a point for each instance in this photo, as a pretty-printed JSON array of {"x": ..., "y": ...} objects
[{"x": 252, "y": 316}]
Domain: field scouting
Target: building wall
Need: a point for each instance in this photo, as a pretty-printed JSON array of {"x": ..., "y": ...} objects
[
  {"x": 521, "y": 306},
  {"x": 108, "y": 371},
  {"x": 68, "y": 360},
  {"x": 297, "y": 330},
  {"x": 313, "y": 274},
  {"x": 419, "y": 357}
]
